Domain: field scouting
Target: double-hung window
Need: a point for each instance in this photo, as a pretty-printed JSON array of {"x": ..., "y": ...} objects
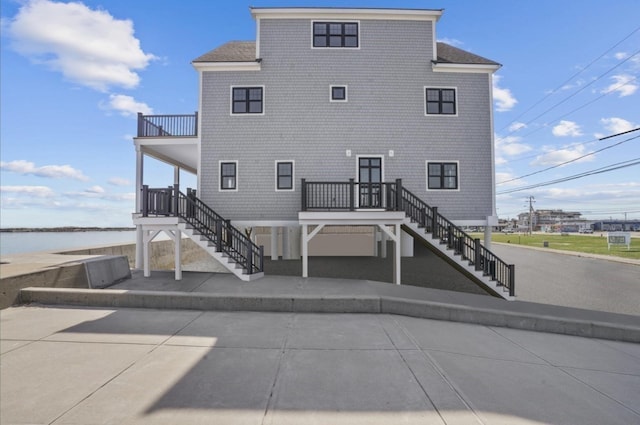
[
  {"x": 229, "y": 175},
  {"x": 442, "y": 175},
  {"x": 284, "y": 175},
  {"x": 335, "y": 34},
  {"x": 247, "y": 100},
  {"x": 440, "y": 101}
]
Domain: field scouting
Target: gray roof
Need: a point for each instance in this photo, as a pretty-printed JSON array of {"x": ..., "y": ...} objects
[
  {"x": 233, "y": 51},
  {"x": 450, "y": 54},
  {"x": 245, "y": 51}
]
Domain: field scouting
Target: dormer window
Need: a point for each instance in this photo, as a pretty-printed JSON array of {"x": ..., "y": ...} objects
[{"x": 335, "y": 34}]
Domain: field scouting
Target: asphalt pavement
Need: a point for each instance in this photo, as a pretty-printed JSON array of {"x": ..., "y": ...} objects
[{"x": 574, "y": 280}]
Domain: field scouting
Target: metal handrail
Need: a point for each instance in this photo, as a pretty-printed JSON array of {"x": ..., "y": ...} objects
[
  {"x": 209, "y": 224},
  {"x": 459, "y": 241},
  {"x": 168, "y": 125}
]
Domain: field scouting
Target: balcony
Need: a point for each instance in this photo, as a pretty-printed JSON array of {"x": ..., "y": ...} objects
[{"x": 168, "y": 125}]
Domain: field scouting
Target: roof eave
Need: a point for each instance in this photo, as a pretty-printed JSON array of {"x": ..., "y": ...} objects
[
  {"x": 227, "y": 66},
  {"x": 345, "y": 13},
  {"x": 465, "y": 67}
]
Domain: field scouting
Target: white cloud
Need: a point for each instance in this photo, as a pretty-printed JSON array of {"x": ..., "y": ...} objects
[
  {"x": 119, "y": 181},
  {"x": 127, "y": 105},
  {"x": 554, "y": 156},
  {"x": 624, "y": 85},
  {"x": 617, "y": 125},
  {"x": 37, "y": 191},
  {"x": 509, "y": 178},
  {"x": 566, "y": 128},
  {"x": 621, "y": 55},
  {"x": 516, "y": 126},
  {"x": 87, "y": 46},
  {"x": 49, "y": 171},
  {"x": 502, "y": 97},
  {"x": 95, "y": 189}
]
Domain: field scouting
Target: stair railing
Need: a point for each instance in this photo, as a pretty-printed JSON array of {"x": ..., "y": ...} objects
[
  {"x": 205, "y": 221},
  {"x": 458, "y": 240}
]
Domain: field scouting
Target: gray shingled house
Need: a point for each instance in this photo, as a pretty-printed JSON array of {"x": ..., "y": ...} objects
[{"x": 332, "y": 117}]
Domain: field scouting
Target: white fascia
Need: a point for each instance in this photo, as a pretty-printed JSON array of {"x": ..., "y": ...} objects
[
  {"x": 464, "y": 68},
  {"x": 226, "y": 66},
  {"x": 337, "y": 13}
]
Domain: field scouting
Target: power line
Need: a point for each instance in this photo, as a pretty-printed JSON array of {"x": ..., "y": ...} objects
[
  {"x": 606, "y": 169},
  {"x": 572, "y": 77},
  {"x": 576, "y": 159},
  {"x": 612, "y": 90}
]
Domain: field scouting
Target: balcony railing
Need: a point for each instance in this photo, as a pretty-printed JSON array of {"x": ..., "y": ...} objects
[
  {"x": 351, "y": 196},
  {"x": 168, "y": 125}
]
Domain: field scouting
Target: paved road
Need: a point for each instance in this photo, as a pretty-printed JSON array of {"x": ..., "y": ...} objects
[{"x": 573, "y": 281}]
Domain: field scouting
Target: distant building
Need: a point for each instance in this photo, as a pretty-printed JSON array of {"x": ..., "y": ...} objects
[
  {"x": 616, "y": 226},
  {"x": 553, "y": 221}
]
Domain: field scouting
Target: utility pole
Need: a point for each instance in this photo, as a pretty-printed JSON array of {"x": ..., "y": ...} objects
[{"x": 531, "y": 201}]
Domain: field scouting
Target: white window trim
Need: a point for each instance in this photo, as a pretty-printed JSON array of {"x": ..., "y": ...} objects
[
  {"x": 345, "y": 21},
  {"x": 293, "y": 175},
  {"x": 440, "y": 161},
  {"x": 424, "y": 101},
  {"x": 346, "y": 93},
  {"x": 264, "y": 102},
  {"x": 220, "y": 189}
]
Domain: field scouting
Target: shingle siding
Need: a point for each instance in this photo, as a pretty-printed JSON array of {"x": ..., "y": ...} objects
[{"x": 385, "y": 111}]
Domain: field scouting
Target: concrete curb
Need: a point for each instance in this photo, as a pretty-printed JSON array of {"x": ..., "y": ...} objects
[{"x": 116, "y": 298}]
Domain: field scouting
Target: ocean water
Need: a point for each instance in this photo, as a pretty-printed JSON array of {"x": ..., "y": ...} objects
[{"x": 22, "y": 242}]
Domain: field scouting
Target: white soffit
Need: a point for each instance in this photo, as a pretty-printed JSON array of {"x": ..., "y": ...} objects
[{"x": 338, "y": 13}]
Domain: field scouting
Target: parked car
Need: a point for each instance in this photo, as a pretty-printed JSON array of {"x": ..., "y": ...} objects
[
  {"x": 508, "y": 230},
  {"x": 586, "y": 230}
]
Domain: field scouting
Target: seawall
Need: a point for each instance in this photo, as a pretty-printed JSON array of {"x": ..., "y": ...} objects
[{"x": 77, "y": 268}]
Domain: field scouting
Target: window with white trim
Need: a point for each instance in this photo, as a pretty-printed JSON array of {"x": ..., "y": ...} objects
[
  {"x": 440, "y": 101},
  {"x": 284, "y": 175},
  {"x": 228, "y": 175},
  {"x": 338, "y": 93},
  {"x": 442, "y": 175},
  {"x": 247, "y": 100},
  {"x": 335, "y": 34}
]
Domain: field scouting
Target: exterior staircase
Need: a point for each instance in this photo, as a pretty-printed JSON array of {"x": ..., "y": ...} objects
[
  {"x": 423, "y": 222},
  {"x": 227, "y": 244}
]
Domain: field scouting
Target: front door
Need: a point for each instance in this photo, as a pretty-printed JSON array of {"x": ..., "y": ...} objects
[{"x": 369, "y": 182}]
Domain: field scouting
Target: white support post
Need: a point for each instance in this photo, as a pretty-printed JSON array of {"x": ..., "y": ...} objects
[
  {"x": 148, "y": 236},
  {"x": 487, "y": 236},
  {"x": 178, "y": 259},
  {"x": 139, "y": 176},
  {"x": 274, "y": 243},
  {"x": 286, "y": 244},
  {"x": 398, "y": 257},
  {"x": 383, "y": 243},
  {"x": 305, "y": 246},
  {"x": 375, "y": 241},
  {"x": 396, "y": 237},
  {"x": 139, "y": 247},
  {"x": 305, "y": 251}
]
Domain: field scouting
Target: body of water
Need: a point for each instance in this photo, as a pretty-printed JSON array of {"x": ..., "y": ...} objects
[{"x": 22, "y": 242}]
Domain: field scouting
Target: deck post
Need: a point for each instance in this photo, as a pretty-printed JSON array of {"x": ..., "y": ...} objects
[
  {"x": 434, "y": 222},
  {"x": 303, "y": 191},
  {"x": 352, "y": 191},
  {"x": 399, "y": 206},
  {"x": 477, "y": 260}
]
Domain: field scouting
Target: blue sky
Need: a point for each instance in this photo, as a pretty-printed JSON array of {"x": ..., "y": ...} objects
[{"x": 73, "y": 75}]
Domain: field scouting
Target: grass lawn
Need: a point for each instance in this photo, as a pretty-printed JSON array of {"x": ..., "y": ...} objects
[{"x": 592, "y": 244}]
